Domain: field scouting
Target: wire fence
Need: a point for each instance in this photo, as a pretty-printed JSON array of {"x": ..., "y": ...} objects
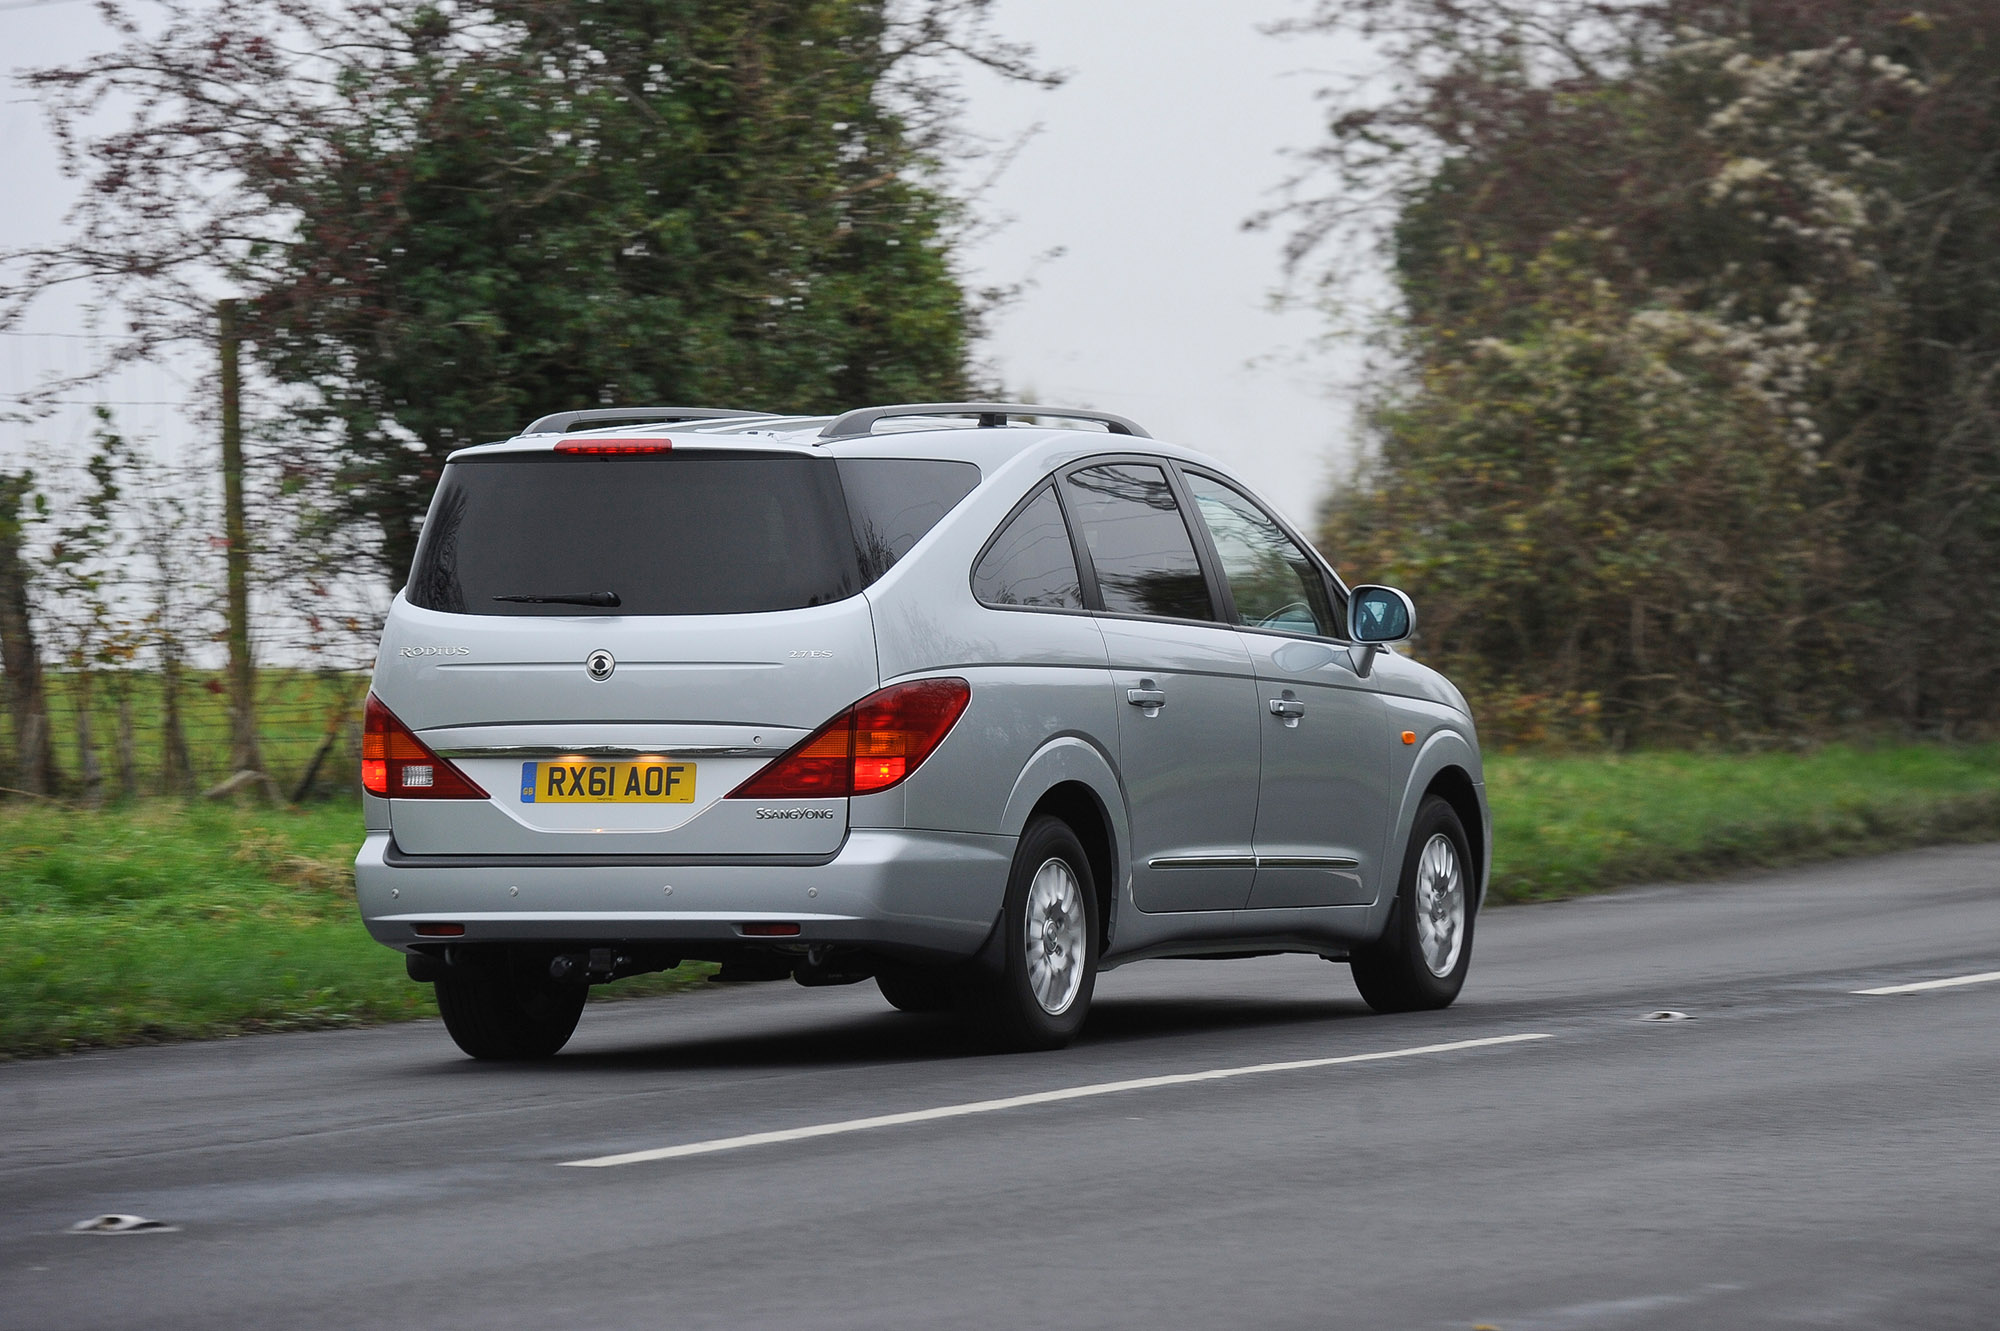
[
  {"x": 113, "y": 629},
  {"x": 139, "y": 737}
]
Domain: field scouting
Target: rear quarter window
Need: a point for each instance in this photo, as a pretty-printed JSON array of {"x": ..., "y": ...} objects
[
  {"x": 1030, "y": 561},
  {"x": 893, "y": 502}
]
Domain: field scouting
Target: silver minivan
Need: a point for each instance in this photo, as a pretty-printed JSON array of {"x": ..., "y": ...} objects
[{"x": 939, "y": 696}]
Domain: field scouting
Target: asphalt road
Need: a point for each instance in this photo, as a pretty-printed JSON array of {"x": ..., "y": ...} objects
[{"x": 1797, "y": 1154}]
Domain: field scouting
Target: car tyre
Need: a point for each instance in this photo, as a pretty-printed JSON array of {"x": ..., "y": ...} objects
[
  {"x": 1048, "y": 966},
  {"x": 1420, "y": 962},
  {"x": 508, "y": 1013}
]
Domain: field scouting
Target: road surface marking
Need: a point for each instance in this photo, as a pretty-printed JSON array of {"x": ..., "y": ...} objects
[
  {"x": 1020, "y": 1101},
  {"x": 1988, "y": 978}
]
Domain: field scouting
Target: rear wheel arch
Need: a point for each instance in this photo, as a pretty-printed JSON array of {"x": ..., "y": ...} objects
[
  {"x": 1070, "y": 778},
  {"x": 1077, "y": 805}
]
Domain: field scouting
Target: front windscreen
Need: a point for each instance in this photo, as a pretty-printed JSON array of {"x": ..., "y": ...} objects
[{"x": 695, "y": 533}]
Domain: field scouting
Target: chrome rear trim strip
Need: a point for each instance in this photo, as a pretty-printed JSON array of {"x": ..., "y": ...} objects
[{"x": 615, "y": 752}]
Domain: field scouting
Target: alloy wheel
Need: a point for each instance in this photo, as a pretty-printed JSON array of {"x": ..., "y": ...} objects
[
  {"x": 1440, "y": 905},
  {"x": 1056, "y": 936}
]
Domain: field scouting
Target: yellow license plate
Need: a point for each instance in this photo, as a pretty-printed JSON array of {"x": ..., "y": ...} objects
[{"x": 647, "y": 781}]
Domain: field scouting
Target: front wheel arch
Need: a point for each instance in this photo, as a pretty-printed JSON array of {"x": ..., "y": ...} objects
[
  {"x": 1393, "y": 973},
  {"x": 1453, "y": 784}
]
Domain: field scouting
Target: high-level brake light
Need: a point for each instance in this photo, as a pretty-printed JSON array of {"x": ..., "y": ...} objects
[
  {"x": 615, "y": 447},
  {"x": 871, "y": 746},
  {"x": 396, "y": 764}
]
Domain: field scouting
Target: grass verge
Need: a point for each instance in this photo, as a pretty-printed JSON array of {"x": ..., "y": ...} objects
[
  {"x": 164, "y": 920},
  {"x": 1569, "y": 824}
]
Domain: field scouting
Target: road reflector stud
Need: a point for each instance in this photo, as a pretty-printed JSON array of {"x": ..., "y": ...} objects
[{"x": 122, "y": 1224}]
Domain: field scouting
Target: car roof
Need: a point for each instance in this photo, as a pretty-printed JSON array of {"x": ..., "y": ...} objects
[{"x": 929, "y": 437}]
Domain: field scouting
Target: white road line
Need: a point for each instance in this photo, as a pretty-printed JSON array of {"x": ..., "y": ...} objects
[
  {"x": 1020, "y": 1101},
  {"x": 1988, "y": 978}
]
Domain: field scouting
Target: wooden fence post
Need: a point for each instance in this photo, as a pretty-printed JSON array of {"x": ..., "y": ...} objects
[
  {"x": 20, "y": 656},
  {"x": 244, "y": 755}
]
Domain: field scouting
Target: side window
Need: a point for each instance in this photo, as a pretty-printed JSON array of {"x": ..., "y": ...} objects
[
  {"x": 1138, "y": 543},
  {"x": 893, "y": 502},
  {"x": 1031, "y": 561},
  {"x": 1275, "y": 584}
]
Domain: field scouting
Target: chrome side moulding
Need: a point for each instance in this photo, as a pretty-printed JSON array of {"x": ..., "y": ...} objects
[{"x": 1254, "y": 862}]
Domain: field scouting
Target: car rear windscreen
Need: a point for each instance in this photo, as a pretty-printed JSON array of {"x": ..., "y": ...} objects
[{"x": 695, "y": 533}]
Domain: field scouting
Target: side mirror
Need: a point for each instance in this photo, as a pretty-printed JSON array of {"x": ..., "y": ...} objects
[
  {"x": 1376, "y": 615},
  {"x": 1380, "y": 614}
]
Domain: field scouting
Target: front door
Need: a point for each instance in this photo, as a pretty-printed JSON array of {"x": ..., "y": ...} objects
[{"x": 1323, "y": 803}]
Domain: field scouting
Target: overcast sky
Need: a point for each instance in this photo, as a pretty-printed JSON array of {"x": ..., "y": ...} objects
[{"x": 1169, "y": 132}]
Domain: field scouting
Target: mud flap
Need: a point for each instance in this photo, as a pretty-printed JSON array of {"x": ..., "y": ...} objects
[{"x": 991, "y": 958}]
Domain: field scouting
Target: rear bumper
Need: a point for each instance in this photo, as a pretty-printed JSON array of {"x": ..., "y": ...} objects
[{"x": 919, "y": 894}]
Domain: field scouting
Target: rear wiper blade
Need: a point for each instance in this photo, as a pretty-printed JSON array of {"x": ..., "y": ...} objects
[{"x": 609, "y": 600}]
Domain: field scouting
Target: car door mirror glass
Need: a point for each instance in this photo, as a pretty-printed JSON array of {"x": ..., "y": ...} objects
[{"x": 1380, "y": 614}]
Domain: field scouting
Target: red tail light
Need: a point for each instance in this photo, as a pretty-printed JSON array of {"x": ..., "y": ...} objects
[
  {"x": 869, "y": 747},
  {"x": 395, "y": 763},
  {"x": 615, "y": 447}
]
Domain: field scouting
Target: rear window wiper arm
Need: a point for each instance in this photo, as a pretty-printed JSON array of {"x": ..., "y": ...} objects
[{"x": 609, "y": 600}]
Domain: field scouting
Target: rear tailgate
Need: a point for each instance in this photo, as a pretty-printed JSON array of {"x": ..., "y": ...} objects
[
  {"x": 737, "y": 630},
  {"x": 716, "y": 698}
]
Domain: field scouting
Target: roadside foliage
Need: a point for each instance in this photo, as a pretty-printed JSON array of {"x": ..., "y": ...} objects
[
  {"x": 1700, "y": 330},
  {"x": 441, "y": 221},
  {"x": 449, "y": 219}
]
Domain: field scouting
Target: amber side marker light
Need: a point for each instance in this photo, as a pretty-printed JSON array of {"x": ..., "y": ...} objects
[{"x": 1409, "y": 737}]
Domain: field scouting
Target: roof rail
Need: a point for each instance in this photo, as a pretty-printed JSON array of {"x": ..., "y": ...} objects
[
  {"x": 992, "y": 416},
  {"x": 563, "y": 420}
]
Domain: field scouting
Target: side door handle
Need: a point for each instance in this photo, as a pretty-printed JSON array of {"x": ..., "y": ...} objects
[
  {"x": 1287, "y": 707},
  {"x": 1151, "y": 699}
]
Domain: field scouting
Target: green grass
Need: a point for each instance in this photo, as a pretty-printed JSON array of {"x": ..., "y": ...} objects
[
  {"x": 171, "y": 921},
  {"x": 1569, "y": 824},
  {"x": 164, "y": 920}
]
